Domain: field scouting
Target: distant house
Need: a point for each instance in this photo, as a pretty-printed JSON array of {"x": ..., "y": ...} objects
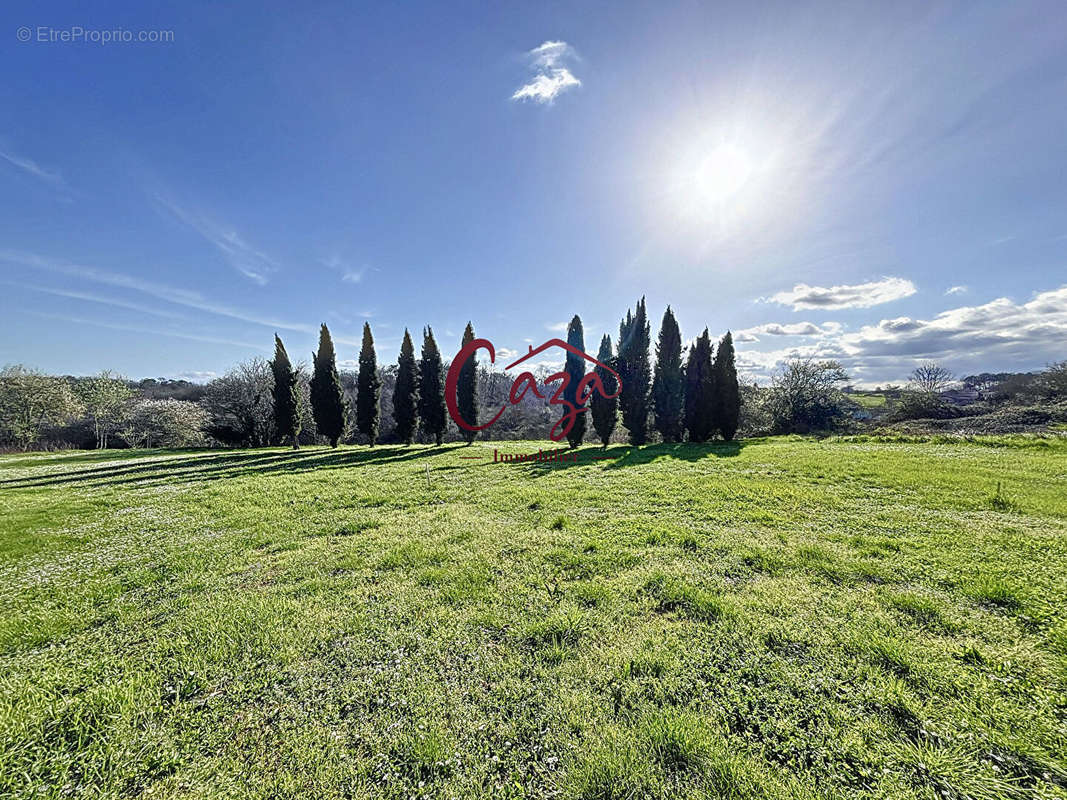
[{"x": 961, "y": 397}]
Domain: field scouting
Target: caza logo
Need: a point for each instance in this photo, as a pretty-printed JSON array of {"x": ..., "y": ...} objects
[{"x": 588, "y": 385}]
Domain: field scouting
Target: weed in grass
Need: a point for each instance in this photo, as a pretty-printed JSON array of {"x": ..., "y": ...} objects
[
  {"x": 357, "y": 527},
  {"x": 425, "y": 753},
  {"x": 971, "y": 655},
  {"x": 676, "y": 741},
  {"x": 955, "y": 771},
  {"x": 998, "y": 502},
  {"x": 674, "y": 594},
  {"x": 689, "y": 543},
  {"x": 559, "y": 628},
  {"x": 613, "y": 770},
  {"x": 559, "y": 523},
  {"x": 658, "y": 536},
  {"x": 411, "y": 554},
  {"x": 994, "y": 591},
  {"x": 571, "y": 564},
  {"x": 590, "y": 594},
  {"x": 923, "y": 610},
  {"x": 889, "y": 654}
]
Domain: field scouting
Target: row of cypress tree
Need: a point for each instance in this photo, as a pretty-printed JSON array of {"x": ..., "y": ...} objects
[
  {"x": 418, "y": 396},
  {"x": 697, "y": 400}
]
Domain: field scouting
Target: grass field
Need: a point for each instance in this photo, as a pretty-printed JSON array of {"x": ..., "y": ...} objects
[
  {"x": 781, "y": 618},
  {"x": 869, "y": 399}
]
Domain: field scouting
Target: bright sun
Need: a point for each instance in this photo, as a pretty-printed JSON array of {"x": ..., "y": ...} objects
[{"x": 723, "y": 173}]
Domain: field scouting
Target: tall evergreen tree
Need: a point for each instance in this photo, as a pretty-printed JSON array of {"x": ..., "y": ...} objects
[
  {"x": 406, "y": 392},
  {"x": 668, "y": 385},
  {"x": 327, "y": 396},
  {"x": 605, "y": 410},
  {"x": 431, "y": 388},
  {"x": 635, "y": 373},
  {"x": 286, "y": 399},
  {"x": 699, "y": 390},
  {"x": 727, "y": 393},
  {"x": 467, "y": 387},
  {"x": 368, "y": 389},
  {"x": 575, "y": 368}
]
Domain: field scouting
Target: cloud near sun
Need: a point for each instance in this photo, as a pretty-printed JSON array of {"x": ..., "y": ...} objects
[
  {"x": 551, "y": 76},
  {"x": 860, "y": 295}
]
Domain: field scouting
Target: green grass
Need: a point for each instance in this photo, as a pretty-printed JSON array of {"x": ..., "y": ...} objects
[
  {"x": 780, "y": 618},
  {"x": 869, "y": 399}
]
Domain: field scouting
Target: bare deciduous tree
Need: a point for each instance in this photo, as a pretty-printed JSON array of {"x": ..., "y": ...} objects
[
  {"x": 930, "y": 378},
  {"x": 240, "y": 404}
]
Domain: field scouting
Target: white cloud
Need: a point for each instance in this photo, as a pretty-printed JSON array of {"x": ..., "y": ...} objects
[
  {"x": 787, "y": 329},
  {"x": 1001, "y": 329},
  {"x": 860, "y": 295},
  {"x": 195, "y": 376},
  {"x": 246, "y": 259},
  {"x": 551, "y": 76},
  {"x": 556, "y": 327},
  {"x": 956, "y": 290},
  {"x": 999, "y": 335},
  {"x": 181, "y": 297},
  {"x": 31, "y": 167},
  {"x": 349, "y": 274}
]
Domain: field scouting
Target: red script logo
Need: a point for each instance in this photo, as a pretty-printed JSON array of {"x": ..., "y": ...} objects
[{"x": 526, "y": 381}]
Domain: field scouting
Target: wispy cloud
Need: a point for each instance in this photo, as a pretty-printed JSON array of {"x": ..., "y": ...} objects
[
  {"x": 956, "y": 290},
  {"x": 555, "y": 327},
  {"x": 860, "y": 295},
  {"x": 96, "y": 298},
  {"x": 115, "y": 326},
  {"x": 254, "y": 264},
  {"x": 348, "y": 273},
  {"x": 31, "y": 167},
  {"x": 551, "y": 77},
  {"x": 181, "y": 297}
]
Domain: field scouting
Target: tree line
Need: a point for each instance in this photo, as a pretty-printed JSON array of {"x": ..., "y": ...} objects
[
  {"x": 682, "y": 393},
  {"x": 693, "y": 395}
]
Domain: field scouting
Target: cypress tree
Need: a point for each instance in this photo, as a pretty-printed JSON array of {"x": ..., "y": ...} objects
[
  {"x": 327, "y": 396},
  {"x": 605, "y": 409},
  {"x": 634, "y": 373},
  {"x": 406, "y": 392},
  {"x": 699, "y": 389},
  {"x": 431, "y": 389},
  {"x": 286, "y": 415},
  {"x": 575, "y": 369},
  {"x": 368, "y": 388},
  {"x": 467, "y": 389},
  {"x": 668, "y": 385},
  {"x": 727, "y": 392}
]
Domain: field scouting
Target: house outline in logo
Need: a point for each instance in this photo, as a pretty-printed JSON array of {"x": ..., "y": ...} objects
[{"x": 475, "y": 345}]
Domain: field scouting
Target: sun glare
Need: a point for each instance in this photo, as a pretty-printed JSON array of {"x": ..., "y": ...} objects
[{"x": 721, "y": 175}]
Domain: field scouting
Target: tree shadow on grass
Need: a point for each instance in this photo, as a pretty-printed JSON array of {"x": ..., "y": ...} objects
[
  {"x": 621, "y": 456},
  {"x": 216, "y": 466}
]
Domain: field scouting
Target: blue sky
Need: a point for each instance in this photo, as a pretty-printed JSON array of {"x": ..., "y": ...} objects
[{"x": 878, "y": 183}]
